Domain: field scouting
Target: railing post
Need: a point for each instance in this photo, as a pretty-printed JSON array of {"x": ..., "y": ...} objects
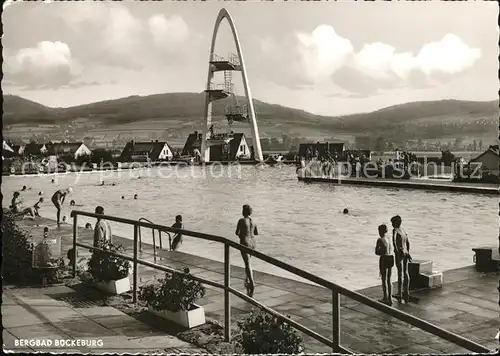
[
  {"x": 159, "y": 237},
  {"x": 227, "y": 295},
  {"x": 335, "y": 319},
  {"x": 140, "y": 236},
  {"x": 134, "y": 290},
  {"x": 75, "y": 233},
  {"x": 154, "y": 245}
]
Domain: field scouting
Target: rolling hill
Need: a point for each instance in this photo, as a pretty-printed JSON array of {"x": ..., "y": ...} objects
[{"x": 181, "y": 113}]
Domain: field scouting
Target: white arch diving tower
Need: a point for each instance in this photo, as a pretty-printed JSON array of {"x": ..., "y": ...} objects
[{"x": 222, "y": 91}]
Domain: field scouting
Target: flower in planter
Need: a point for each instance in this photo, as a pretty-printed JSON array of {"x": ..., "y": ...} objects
[
  {"x": 105, "y": 267},
  {"x": 17, "y": 250},
  {"x": 175, "y": 292},
  {"x": 263, "y": 333}
]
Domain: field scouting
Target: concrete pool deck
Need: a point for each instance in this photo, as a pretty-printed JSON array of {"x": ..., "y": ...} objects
[
  {"x": 422, "y": 184},
  {"x": 467, "y": 304}
]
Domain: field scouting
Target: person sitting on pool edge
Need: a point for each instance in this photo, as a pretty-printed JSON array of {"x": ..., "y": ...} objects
[
  {"x": 32, "y": 211},
  {"x": 177, "y": 241},
  {"x": 383, "y": 249},
  {"x": 16, "y": 203}
]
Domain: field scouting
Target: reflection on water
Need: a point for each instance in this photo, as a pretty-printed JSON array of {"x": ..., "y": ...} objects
[{"x": 299, "y": 223}]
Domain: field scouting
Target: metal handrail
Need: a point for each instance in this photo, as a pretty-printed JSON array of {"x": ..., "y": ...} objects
[
  {"x": 154, "y": 240},
  {"x": 335, "y": 288}
]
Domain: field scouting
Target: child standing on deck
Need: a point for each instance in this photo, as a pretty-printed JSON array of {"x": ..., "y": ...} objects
[
  {"x": 386, "y": 262},
  {"x": 177, "y": 241}
]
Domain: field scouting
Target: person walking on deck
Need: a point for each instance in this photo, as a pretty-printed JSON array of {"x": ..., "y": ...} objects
[
  {"x": 401, "y": 245},
  {"x": 102, "y": 229},
  {"x": 177, "y": 241},
  {"x": 246, "y": 230},
  {"x": 58, "y": 201},
  {"x": 383, "y": 249}
]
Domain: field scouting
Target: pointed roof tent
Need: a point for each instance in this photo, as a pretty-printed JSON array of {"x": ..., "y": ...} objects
[{"x": 6, "y": 147}]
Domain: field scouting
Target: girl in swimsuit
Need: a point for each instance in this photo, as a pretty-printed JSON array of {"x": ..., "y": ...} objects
[{"x": 246, "y": 231}]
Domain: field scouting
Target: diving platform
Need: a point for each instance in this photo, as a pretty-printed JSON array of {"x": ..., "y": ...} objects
[
  {"x": 219, "y": 91},
  {"x": 217, "y": 140},
  {"x": 218, "y": 63},
  {"x": 236, "y": 113}
]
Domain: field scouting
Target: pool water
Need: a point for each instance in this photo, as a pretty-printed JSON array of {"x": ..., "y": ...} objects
[{"x": 301, "y": 224}]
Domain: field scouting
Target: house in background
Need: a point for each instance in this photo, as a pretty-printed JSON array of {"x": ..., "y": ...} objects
[
  {"x": 489, "y": 160},
  {"x": 34, "y": 149},
  {"x": 237, "y": 148},
  {"x": 75, "y": 149},
  {"x": 193, "y": 141},
  {"x": 142, "y": 151}
]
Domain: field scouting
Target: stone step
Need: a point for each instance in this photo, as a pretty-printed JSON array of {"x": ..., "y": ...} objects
[
  {"x": 417, "y": 267},
  {"x": 431, "y": 280}
]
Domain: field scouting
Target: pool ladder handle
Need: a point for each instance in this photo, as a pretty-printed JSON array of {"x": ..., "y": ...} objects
[{"x": 154, "y": 239}]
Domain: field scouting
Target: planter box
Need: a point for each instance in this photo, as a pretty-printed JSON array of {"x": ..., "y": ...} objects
[
  {"x": 188, "y": 319},
  {"x": 115, "y": 287}
]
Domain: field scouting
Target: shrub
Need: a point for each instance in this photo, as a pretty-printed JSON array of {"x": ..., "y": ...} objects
[
  {"x": 176, "y": 292},
  {"x": 17, "y": 249},
  {"x": 263, "y": 333},
  {"x": 105, "y": 267}
]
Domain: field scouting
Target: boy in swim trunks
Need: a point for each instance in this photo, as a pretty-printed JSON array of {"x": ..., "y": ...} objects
[
  {"x": 178, "y": 237},
  {"x": 58, "y": 200},
  {"x": 383, "y": 249},
  {"x": 401, "y": 245}
]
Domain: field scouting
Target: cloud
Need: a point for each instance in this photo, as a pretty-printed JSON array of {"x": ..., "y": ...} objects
[
  {"x": 49, "y": 64},
  {"x": 111, "y": 34},
  {"x": 323, "y": 52},
  {"x": 169, "y": 33},
  {"x": 122, "y": 36},
  {"x": 325, "y": 55},
  {"x": 450, "y": 55},
  {"x": 438, "y": 61}
]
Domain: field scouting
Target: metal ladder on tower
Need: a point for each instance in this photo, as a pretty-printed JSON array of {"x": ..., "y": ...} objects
[{"x": 228, "y": 81}]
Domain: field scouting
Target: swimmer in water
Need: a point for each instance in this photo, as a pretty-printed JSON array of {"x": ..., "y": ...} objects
[
  {"x": 88, "y": 226},
  {"x": 113, "y": 184},
  {"x": 24, "y": 188},
  {"x": 123, "y": 197},
  {"x": 135, "y": 196},
  {"x": 102, "y": 182},
  {"x": 53, "y": 180},
  {"x": 72, "y": 203},
  {"x": 345, "y": 211},
  {"x": 40, "y": 193}
]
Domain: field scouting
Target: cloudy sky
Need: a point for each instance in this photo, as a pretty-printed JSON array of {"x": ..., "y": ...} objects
[{"x": 326, "y": 58}]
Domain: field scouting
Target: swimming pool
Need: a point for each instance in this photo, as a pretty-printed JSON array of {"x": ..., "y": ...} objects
[{"x": 301, "y": 224}]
